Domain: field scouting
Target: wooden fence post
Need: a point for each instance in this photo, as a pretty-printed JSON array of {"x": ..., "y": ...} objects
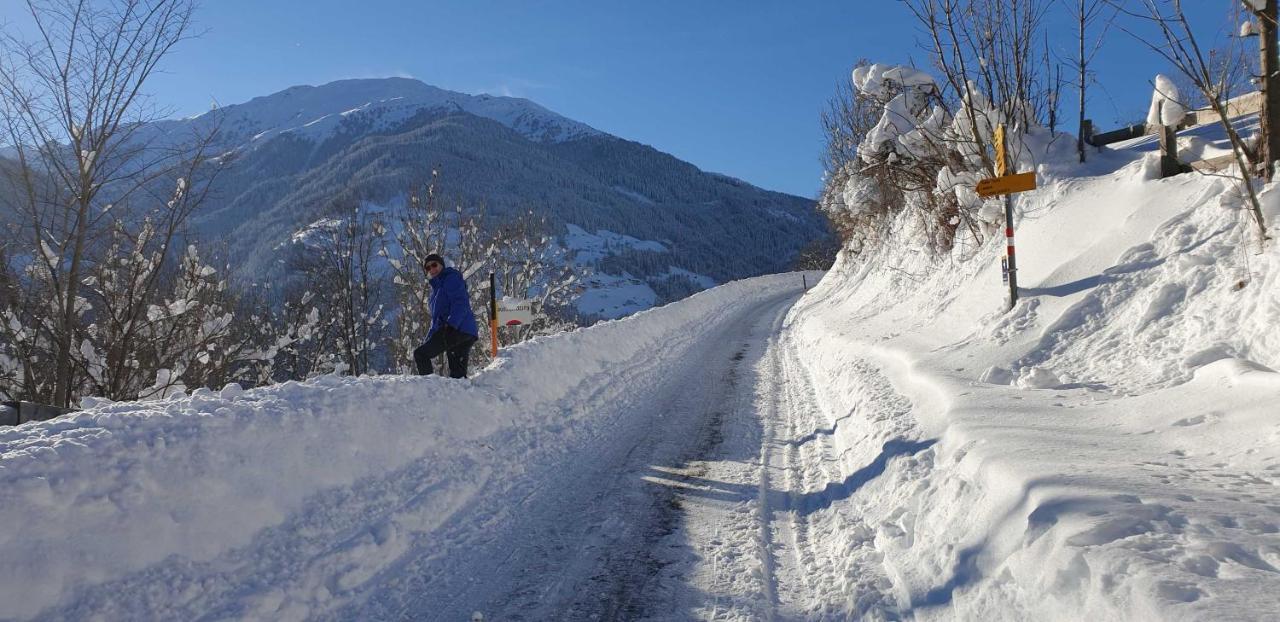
[{"x": 1169, "y": 164}]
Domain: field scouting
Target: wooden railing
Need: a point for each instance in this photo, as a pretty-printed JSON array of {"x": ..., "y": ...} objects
[
  {"x": 14, "y": 413},
  {"x": 1249, "y": 103}
]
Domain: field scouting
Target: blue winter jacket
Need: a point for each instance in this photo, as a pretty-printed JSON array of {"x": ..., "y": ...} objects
[{"x": 450, "y": 304}]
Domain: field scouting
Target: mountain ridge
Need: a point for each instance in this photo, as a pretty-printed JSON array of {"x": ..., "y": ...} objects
[{"x": 301, "y": 108}]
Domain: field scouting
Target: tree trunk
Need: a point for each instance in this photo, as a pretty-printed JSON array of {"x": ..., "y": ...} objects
[
  {"x": 1269, "y": 118},
  {"x": 62, "y": 361},
  {"x": 1081, "y": 65}
]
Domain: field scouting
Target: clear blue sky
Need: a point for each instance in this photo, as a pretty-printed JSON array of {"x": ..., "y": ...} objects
[{"x": 734, "y": 87}]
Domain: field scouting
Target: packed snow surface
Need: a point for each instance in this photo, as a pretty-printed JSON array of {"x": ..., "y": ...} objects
[{"x": 893, "y": 443}]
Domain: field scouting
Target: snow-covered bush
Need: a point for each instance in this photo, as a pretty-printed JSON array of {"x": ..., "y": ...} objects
[
  {"x": 150, "y": 321},
  {"x": 906, "y": 146},
  {"x": 917, "y": 159}
]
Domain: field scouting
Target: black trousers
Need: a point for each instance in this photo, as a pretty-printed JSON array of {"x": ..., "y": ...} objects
[{"x": 454, "y": 344}]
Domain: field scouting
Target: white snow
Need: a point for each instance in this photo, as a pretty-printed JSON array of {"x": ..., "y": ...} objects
[
  {"x": 610, "y": 297},
  {"x": 590, "y": 247},
  {"x": 1106, "y": 450},
  {"x": 104, "y": 494},
  {"x": 702, "y": 280},
  {"x": 1166, "y": 104},
  {"x": 891, "y": 444}
]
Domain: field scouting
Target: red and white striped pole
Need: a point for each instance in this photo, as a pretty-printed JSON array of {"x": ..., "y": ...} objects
[
  {"x": 1002, "y": 169},
  {"x": 1009, "y": 256}
]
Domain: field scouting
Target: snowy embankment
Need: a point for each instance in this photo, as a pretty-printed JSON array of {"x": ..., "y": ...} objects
[
  {"x": 1109, "y": 449},
  {"x": 141, "y": 508}
]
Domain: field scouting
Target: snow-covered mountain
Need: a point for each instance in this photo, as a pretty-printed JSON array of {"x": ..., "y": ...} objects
[
  {"x": 316, "y": 112},
  {"x": 298, "y": 152}
]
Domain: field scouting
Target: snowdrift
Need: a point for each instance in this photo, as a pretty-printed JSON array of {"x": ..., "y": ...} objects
[
  {"x": 1108, "y": 448},
  {"x": 139, "y": 493}
]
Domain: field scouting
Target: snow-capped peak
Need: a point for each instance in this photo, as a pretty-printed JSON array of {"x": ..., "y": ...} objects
[{"x": 316, "y": 111}]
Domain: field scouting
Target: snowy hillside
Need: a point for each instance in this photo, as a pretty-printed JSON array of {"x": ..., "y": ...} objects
[{"x": 891, "y": 444}]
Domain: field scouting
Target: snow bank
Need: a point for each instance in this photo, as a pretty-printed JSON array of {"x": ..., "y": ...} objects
[
  {"x": 122, "y": 487},
  {"x": 1105, "y": 450}
]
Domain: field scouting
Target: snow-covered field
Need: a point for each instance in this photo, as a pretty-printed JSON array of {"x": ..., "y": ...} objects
[{"x": 890, "y": 444}]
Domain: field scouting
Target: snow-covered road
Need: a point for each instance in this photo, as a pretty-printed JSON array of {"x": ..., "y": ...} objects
[
  {"x": 596, "y": 536},
  {"x": 708, "y": 497},
  {"x": 720, "y": 492}
]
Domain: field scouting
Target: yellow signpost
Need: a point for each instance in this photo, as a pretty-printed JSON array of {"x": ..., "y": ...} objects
[
  {"x": 1002, "y": 162},
  {"x": 1005, "y": 184},
  {"x": 1008, "y": 184}
]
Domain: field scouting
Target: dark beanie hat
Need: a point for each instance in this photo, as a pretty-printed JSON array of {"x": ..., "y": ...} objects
[{"x": 433, "y": 257}]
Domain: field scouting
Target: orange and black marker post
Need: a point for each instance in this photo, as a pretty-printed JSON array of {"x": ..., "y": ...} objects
[{"x": 493, "y": 316}]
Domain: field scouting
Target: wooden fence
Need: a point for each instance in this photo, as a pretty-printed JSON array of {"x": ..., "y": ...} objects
[
  {"x": 1249, "y": 103},
  {"x": 14, "y": 413}
]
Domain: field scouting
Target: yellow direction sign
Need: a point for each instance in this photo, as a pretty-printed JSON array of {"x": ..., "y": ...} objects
[
  {"x": 1002, "y": 161},
  {"x": 1008, "y": 184}
]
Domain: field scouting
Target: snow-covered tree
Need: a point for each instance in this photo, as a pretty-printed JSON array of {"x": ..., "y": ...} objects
[
  {"x": 530, "y": 265},
  {"x": 419, "y": 231},
  {"x": 343, "y": 289},
  {"x": 918, "y": 158},
  {"x": 911, "y": 179},
  {"x": 72, "y": 108}
]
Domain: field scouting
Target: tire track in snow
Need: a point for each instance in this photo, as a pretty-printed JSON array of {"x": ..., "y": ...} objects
[
  {"x": 717, "y": 562},
  {"x": 828, "y": 565}
]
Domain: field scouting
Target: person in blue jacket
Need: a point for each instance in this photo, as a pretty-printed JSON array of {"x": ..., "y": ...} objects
[{"x": 453, "y": 324}]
